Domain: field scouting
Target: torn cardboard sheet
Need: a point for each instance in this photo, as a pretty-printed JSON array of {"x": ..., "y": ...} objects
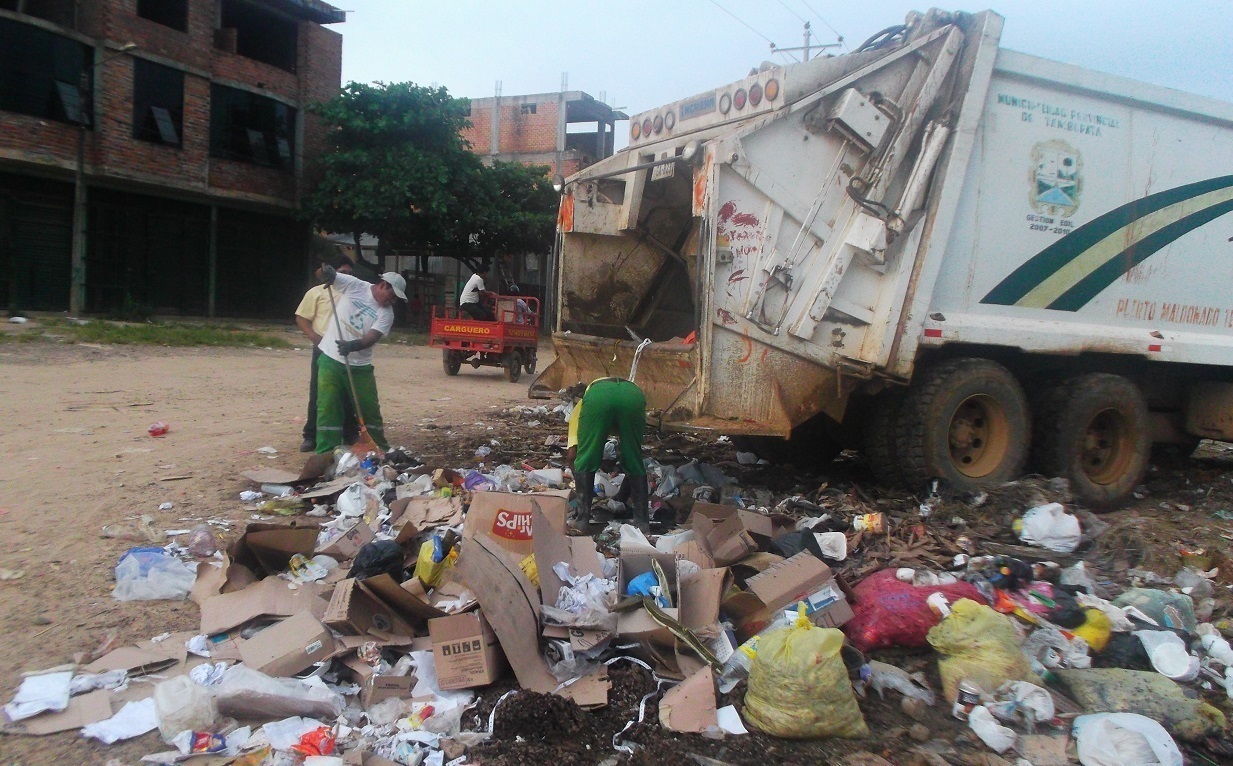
[
  {"x": 552, "y": 546},
  {"x": 272, "y": 597},
  {"x": 689, "y": 707},
  {"x": 82, "y": 710},
  {"x": 329, "y": 489},
  {"x": 506, "y": 517},
  {"x": 424, "y": 513},
  {"x": 589, "y": 692},
  {"x": 512, "y": 607},
  {"x": 144, "y": 658},
  {"x": 271, "y": 476},
  {"x": 800, "y": 578}
]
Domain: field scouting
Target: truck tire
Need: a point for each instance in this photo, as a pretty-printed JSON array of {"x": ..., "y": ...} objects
[
  {"x": 964, "y": 421},
  {"x": 512, "y": 362},
  {"x": 1093, "y": 430},
  {"x": 451, "y": 362},
  {"x": 879, "y": 446}
]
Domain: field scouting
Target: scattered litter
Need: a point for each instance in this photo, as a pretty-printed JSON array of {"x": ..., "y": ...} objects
[{"x": 133, "y": 720}]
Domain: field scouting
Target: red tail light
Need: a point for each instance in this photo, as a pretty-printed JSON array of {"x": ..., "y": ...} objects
[{"x": 739, "y": 99}]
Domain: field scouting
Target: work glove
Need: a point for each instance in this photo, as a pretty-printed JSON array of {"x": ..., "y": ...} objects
[
  {"x": 328, "y": 273},
  {"x": 345, "y": 347}
]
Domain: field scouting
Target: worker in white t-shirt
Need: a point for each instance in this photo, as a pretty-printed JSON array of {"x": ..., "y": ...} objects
[{"x": 471, "y": 301}]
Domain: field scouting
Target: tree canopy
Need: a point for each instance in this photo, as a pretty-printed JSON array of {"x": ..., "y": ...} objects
[{"x": 398, "y": 167}]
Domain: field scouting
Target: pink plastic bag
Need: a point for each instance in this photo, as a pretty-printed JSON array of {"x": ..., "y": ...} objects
[{"x": 894, "y": 613}]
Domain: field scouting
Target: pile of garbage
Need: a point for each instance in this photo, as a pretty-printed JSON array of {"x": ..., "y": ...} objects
[{"x": 365, "y": 614}]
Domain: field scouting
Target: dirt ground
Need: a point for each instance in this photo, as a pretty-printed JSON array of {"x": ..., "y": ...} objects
[{"x": 76, "y": 457}]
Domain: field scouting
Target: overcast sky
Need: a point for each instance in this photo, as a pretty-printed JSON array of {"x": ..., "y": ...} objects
[{"x": 639, "y": 54}]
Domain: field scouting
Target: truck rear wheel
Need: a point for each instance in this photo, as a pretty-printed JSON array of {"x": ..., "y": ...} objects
[
  {"x": 965, "y": 421},
  {"x": 1093, "y": 431},
  {"x": 879, "y": 447},
  {"x": 512, "y": 362},
  {"x": 451, "y": 362}
]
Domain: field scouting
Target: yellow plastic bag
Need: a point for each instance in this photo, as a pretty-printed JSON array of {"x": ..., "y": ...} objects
[
  {"x": 980, "y": 645},
  {"x": 799, "y": 687},
  {"x": 429, "y": 571},
  {"x": 528, "y": 567}
]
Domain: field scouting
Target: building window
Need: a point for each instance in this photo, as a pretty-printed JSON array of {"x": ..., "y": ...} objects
[
  {"x": 252, "y": 31},
  {"x": 40, "y": 72},
  {"x": 528, "y": 108},
  {"x": 158, "y": 103},
  {"x": 62, "y": 12},
  {"x": 169, "y": 13},
  {"x": 251, "y": 128}
]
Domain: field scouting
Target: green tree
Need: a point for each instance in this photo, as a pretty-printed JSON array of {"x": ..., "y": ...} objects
[{"x": 397, "y": 167}]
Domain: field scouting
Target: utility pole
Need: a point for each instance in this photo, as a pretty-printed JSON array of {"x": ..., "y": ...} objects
[{"x": 808, "y": 48}]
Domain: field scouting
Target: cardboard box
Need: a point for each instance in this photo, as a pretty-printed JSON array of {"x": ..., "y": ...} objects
[
  {"x": 272, "y": 597},
  {"x": 349, "y": 542},
  {"x": 266, "y": 548},
  {"x": 415, "y": 605},
  {"x": 506, "y": 517},
  {"x": 800, "y": 578},
  {"x": 720, "y": 532},
  {"x": 354, "y": 610},
  {"x": 636, "y": 624},
  {"x": 289, "y": 647},
  {"x": 465, "y": 651}
]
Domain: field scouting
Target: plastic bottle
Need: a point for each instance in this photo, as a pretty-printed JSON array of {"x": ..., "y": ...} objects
[{"x": 1217, "y": 648}]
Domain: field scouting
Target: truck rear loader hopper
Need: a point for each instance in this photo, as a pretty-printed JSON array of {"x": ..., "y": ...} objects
[{"x": 950, "y": 255}]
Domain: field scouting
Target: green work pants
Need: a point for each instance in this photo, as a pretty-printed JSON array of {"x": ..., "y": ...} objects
[
  {"x": 611, "y": 406},
  {"x": 333, "y": 392}
]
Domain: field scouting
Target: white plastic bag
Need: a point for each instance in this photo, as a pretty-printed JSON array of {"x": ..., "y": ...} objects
[
  {"x": 147, "y": 576},
  {"x": 358, "y": 501},
  {"x": 1020, "y": 701},
  {"x": 996, "y": 736},
  {"x": 183, "y": 705},
  {"x": 1049, "y": 526},
  {"x": 1124, "y": 739},
  {"x": 245, "y": 693}
]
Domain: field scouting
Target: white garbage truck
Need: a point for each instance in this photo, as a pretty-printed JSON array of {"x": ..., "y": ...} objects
[{"x": 968, "y": 262}]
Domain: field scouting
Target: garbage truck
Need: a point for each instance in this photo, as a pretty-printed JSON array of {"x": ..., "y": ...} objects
[{"x": 968, "y": 262}]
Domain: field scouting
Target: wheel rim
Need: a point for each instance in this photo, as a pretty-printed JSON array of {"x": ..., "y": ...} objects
[
  {"x": 979, "y": 436},
  {"x": 1107, "y": 447}
]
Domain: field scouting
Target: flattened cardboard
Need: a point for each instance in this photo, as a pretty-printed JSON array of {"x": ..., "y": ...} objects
[
  {"x": 689, "y": 707},
  {"x": 506, "y": 517},
  {"x": 590, "y": 691},
  {"x": 427, "y": 512},
  {"x": 465, "y": 651},
  {"x": 82, "y": 710},
  {"x": 511, "y": 605},
  {"x": 329, "y": 489},
  {"x": 272, "y": 597},
  {"x": 266, "y": 548},
  {"x": 349, "y": 542},
  {"x": 143, "y": 658},
  {"x": 354, "y": 610},
  {"x": 289, "y": 647},
  {"x": 551, "y": 547},
  {"x": 723, "y": 531}
]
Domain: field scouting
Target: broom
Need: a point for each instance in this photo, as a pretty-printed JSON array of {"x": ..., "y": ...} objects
[{"x": 363, "y": 443}]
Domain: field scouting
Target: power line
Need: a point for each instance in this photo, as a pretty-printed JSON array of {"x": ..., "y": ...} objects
[
  {"x": 824, "y": 22},
  {"x": 741, "y": 22},
  {"x": 794, "y": 13}
]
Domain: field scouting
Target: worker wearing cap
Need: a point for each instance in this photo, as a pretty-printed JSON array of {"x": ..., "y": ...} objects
[
  {"x": 314, "y": 316},
  {"x": 365, "y": 315},
  {"x": 609, "y": 406}
]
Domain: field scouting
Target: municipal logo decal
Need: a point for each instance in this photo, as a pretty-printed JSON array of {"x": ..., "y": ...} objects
[{"x": 1057, "y": 178}]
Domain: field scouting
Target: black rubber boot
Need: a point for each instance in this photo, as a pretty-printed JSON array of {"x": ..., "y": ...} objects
[
  {"x": 639, "y": 502},
  {"x": 584, "y": 490}
]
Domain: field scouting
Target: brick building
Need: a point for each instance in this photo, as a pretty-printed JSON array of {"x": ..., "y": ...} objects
[
  {"x": 543, "y": 129},
  {"x": 194, "y": 139}
]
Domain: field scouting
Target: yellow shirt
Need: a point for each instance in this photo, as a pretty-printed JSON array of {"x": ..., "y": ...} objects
[{"x": 315, "y": 307}]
